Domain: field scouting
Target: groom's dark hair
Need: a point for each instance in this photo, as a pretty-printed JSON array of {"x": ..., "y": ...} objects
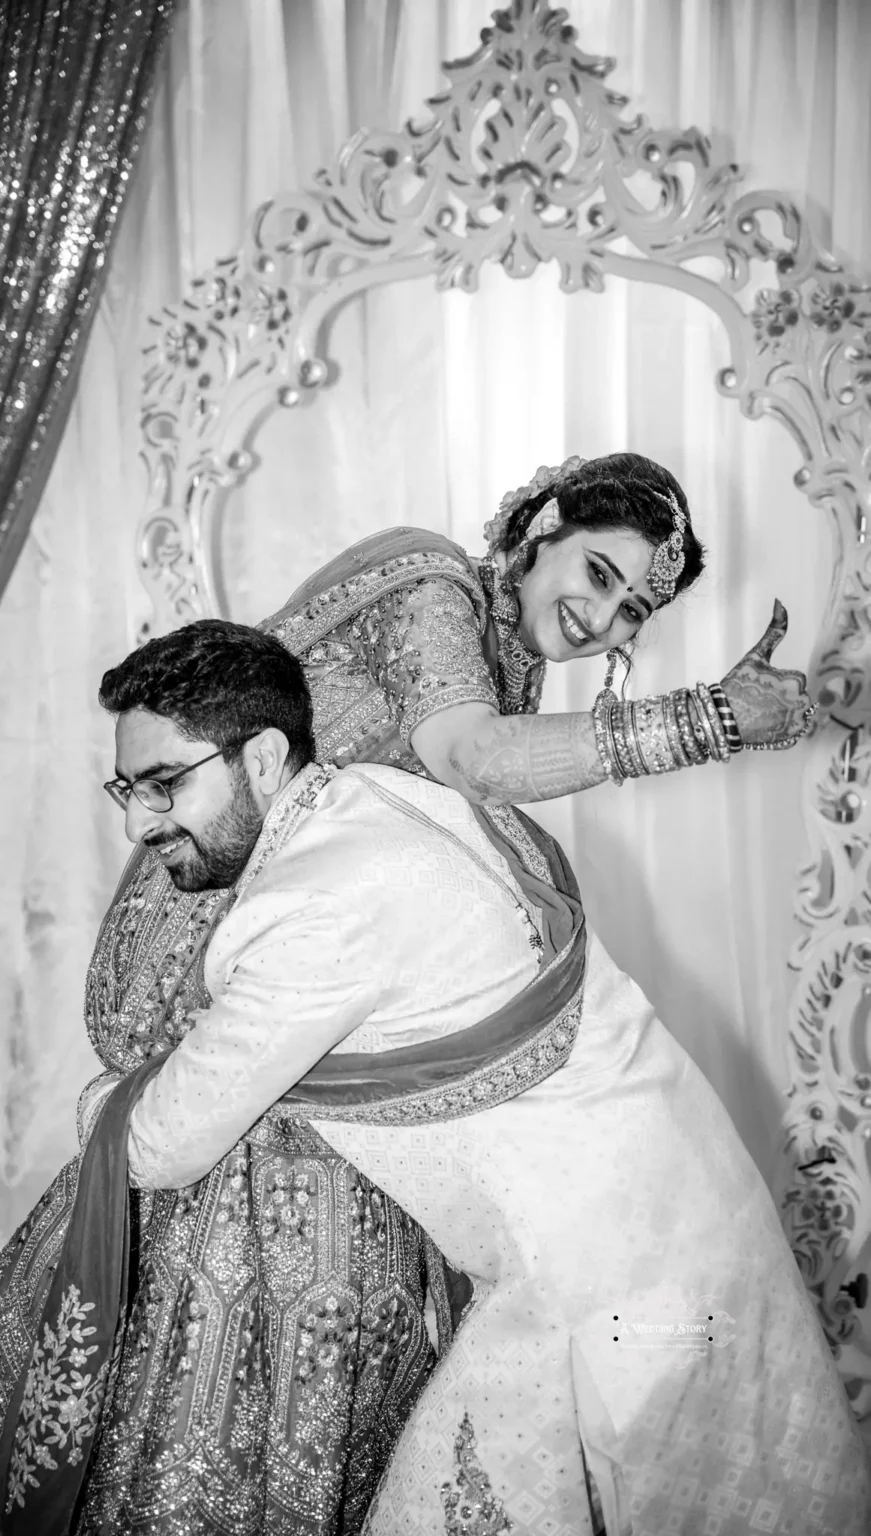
[{"x": 219, "y": 682}]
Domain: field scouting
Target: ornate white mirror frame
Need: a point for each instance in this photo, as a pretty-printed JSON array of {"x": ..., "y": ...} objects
[{"x": 527, "y": 157}]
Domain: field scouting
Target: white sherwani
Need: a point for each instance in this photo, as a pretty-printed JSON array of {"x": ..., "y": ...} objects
[{"x": 634, "y": 1294}]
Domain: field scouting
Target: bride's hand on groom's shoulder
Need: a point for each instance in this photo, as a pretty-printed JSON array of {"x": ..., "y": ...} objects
[{"x": 771, "y": 707}]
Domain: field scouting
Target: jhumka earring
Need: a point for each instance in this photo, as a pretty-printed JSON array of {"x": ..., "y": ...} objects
[
  {"x": 615, "y": 655},
  {"x": 518, "y": 565}
]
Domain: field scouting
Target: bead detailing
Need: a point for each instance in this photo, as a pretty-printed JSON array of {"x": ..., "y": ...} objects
[
  {"x": 472, "y": 1508},
  {"x": 524, "y": 1067},
  {"x": 509, "y": 824},
  {"x": 603, "y": 711},
  {"x": 332, "y": 607},
  {"x": 712, "y": 714},
  {"x": 662, "y": 734},
  {"x": 520, "y": 671},
  {"x": 668, "y": 558},
  {"x": 697, "y": 751}
]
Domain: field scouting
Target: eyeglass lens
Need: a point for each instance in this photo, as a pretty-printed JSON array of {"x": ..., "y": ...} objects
[{"x": 152, "y": 794}]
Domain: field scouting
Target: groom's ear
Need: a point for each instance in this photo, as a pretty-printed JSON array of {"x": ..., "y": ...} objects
[{"x": 265, "y": 756}]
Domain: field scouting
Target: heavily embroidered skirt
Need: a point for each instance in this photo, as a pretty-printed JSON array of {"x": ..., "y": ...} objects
[{"x": 273, "y": 1350}]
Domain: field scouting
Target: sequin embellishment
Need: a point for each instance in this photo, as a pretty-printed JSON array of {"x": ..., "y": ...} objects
[{"x": 472, "y": 1508}]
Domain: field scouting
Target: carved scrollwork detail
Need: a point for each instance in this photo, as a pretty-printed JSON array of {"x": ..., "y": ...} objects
[
  {"x": 824, "y": 1174},
  {"x": 529, "y": 157}
]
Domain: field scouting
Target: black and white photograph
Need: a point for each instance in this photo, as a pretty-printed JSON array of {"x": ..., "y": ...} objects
[{"x": 412, "y": 1121}]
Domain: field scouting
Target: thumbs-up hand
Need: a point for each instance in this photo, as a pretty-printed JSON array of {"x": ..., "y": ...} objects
[{"x": 771, "y": 707}]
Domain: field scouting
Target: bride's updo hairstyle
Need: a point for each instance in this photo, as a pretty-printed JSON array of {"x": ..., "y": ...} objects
[{"x": 621, "y": 492}]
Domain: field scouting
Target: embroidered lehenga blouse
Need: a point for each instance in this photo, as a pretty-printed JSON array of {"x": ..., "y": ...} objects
[{"x": 425, "y": 641}]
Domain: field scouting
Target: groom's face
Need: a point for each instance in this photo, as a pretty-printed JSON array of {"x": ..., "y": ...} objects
[{"x": 206, "y": 837}]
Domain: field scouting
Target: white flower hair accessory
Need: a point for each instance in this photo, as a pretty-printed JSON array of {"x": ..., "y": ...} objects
[{"x": 544, "y": 479}]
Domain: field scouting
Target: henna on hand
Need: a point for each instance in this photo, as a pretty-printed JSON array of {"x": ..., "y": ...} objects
[
  {"x": 769, "y": 705},
  {"x": 522, "y": 758}
]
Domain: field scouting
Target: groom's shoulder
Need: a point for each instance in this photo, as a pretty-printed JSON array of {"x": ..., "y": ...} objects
[
  {"x": 371, "y": 819},
  {"x": 407, "y": 801}
]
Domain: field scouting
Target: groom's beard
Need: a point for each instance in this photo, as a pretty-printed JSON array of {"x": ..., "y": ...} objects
[{"x": 216, "y": 858}]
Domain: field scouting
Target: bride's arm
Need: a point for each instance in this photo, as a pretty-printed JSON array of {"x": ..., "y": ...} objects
[
  {"x": 498, "y": 759},
  {"x": 517, "y": 758},
  {"x": 424, "y": 648}
]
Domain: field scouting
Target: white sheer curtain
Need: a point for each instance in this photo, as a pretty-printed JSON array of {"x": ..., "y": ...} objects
[{"x": 443, "y": 404}]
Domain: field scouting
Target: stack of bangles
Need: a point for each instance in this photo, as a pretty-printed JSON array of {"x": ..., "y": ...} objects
[{"x": 660, "y": 735}]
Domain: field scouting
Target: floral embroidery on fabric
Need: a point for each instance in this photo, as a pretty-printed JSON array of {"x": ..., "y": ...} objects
[
  {"x": 62, "y": 1399},
  {"x": 472, "y": 1508},
  {"x": 328, "y": 609},
  {"x": 422, "y": 646}
]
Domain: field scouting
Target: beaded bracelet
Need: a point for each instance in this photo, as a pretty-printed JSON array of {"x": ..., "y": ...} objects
[
  {"x": 696, "y": 750},
  {"x": 652, "y": 734},
  {"x": 619, "y": 735},
  {"x": 701, "y": 723},
  {"x": 610, "y": 710},
  {"x": 605, "y": 702},
  {"x": 672, "y": 731},
  {"x": 630, "y": 731}
]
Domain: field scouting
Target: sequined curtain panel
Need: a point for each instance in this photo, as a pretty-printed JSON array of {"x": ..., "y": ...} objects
[{"x": 75, "y": 81}]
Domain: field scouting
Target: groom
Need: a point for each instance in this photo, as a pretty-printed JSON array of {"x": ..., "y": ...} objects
[{"x": 260, "y": 1367}]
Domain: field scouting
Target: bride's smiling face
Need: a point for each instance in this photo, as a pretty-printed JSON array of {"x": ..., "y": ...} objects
[{"x": 586, "y": 593}]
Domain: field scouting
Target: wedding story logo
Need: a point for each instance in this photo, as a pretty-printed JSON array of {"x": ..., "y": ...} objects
[{"x": 697, "y": 1327}]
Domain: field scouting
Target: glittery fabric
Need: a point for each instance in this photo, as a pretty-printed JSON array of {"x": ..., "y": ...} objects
[
  {"x": 276, "y": 1341},
  {"x": 386, "y": 647},
  {"x": 275, "y": 1348},
  {"x": 76, "y": 78},
  {"x": 376, "y": 645}
]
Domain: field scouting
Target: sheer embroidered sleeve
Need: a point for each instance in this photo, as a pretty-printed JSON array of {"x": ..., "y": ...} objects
[{"x": 422, "y": 645}]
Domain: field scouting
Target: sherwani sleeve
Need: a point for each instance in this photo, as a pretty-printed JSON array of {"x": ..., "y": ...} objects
[{"x": 297, "y": 977}]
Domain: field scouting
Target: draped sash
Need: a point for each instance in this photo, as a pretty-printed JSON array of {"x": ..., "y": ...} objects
[{"x": 55, "y": 1408}]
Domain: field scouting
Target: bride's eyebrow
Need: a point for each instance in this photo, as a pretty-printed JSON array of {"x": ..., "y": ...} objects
[{"x": 615, "y": 570}]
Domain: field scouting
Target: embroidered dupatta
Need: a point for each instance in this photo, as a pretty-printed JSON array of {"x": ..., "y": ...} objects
[{"x": 495, "y": 1060}]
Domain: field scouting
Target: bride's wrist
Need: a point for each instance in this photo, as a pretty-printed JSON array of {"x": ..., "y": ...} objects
[{"x": 659, "y": 735}]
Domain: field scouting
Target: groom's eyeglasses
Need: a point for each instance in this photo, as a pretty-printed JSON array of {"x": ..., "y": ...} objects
[{"x": 156, "y": 794}]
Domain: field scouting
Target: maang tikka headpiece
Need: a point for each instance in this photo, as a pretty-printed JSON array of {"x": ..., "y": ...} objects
[{"x": 668, "y": 557}]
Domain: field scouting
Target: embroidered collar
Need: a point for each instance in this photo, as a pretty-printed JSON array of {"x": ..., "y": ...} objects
[
  {"x": 519, "y": 670},
  {"x": 295, "y": 802}
]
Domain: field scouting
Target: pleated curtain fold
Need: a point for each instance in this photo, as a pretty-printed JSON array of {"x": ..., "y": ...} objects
[{"x": 76, "y": 77}]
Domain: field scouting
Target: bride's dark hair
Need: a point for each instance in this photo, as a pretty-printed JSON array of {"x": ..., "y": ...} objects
[{"x": 619, "y": 491}]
